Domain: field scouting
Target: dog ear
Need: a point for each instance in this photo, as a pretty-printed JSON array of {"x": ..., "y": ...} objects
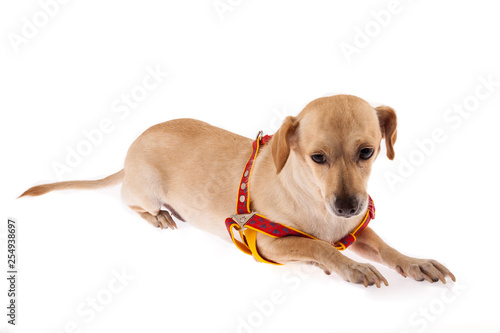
[
  {"x": 280, "y": 144},
  {"x": 388, "y": 123}
]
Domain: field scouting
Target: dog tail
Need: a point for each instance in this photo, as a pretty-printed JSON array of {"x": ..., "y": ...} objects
[{"x": 76, "y": 185}]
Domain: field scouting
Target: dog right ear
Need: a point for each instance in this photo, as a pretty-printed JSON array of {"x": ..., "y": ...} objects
[
  {"x": 388, "y": 125},
  {"x": 280, "y": 144}
]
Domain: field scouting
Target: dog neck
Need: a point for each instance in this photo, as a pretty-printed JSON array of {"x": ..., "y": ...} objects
[{"x": 291, "y": 197}]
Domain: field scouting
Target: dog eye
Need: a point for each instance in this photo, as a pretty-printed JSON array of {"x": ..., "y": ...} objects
[
  {"x": 366, "y": 153},
  {"x": 318, "y": 158}
]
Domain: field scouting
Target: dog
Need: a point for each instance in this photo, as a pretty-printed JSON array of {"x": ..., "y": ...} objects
[{"x": 311, "y": 175}]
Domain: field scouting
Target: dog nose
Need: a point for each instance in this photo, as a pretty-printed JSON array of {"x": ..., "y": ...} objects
[{"x": 346, "y": 207}]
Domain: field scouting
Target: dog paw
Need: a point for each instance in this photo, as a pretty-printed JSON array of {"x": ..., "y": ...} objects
[
  {"x": 424, "y": 269},
  {"x": 364, "y": 274},
  {"x": 164, "y": 220}
]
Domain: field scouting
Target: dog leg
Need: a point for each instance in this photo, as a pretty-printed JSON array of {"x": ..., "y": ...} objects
[
  {"x": 319, "y": 253},
  {"x": 369, "y": 245},
  {"x": 142, "y": 194}
]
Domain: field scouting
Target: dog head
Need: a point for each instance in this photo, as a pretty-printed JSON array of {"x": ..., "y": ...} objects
[{"x": 334, "y": 142}]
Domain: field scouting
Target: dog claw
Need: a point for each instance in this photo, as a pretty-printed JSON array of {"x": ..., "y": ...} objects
[
  {"x": 365, "y": 274},
  {"x": 162, "y": 220},
  {"x": 165, "y": 220},
  {"x": 423, "y": 269}
]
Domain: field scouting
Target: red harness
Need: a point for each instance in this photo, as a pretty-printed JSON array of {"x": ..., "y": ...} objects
[{"x": 248, "y": 223}]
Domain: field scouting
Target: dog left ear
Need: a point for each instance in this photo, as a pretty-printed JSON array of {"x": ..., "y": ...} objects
[
  {"x": 280, "y": 143},
  {"x": 388, "y": 123}
]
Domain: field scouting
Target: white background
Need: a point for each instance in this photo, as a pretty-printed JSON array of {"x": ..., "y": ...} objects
[{"x": 241, "y": 71}]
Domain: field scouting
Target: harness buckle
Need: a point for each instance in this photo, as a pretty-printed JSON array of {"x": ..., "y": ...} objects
[
  {"x": 259, "y": 135},
  {"x": 242, "y": 219}
]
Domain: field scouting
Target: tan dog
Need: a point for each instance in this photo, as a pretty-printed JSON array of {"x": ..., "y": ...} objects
[{"x": 311, "y": 176}]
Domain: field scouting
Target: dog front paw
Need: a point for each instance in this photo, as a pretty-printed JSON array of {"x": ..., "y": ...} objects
[
  {"x": 364, "y": 274},
  {"x": 423, "y": 269}
]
